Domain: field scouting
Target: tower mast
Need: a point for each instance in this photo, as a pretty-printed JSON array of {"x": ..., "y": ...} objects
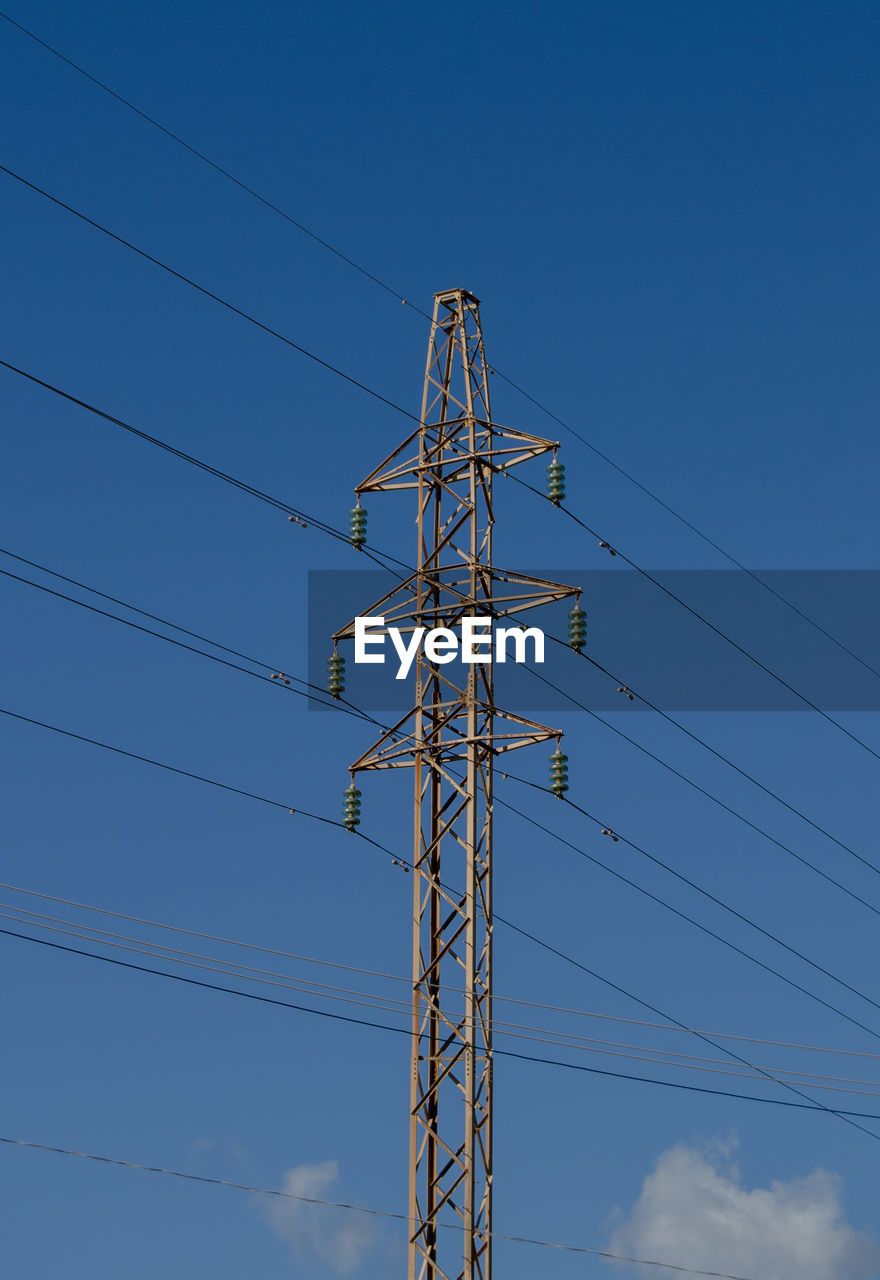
[{"x": 451, "y": 738}]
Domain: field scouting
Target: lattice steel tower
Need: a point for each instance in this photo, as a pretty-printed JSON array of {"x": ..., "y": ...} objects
[{"x": 451, "y": 738}]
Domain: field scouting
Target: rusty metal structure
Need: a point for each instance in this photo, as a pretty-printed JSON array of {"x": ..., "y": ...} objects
[{"x": 451, "y": 738}]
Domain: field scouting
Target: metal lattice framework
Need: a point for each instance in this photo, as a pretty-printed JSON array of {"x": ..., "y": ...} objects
[{"x": 451, "y": 462}]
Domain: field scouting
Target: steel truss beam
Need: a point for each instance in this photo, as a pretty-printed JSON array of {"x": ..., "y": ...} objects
[{"x": 451, "y": 463}]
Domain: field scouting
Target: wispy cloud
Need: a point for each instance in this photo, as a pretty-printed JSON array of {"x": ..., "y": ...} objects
[
  {"x": 340, "y": 1238},
  {"x": 695, "y": 1211}
]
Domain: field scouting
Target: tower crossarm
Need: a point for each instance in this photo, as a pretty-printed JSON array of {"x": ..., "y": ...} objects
[{"x": 451, "y": 598}]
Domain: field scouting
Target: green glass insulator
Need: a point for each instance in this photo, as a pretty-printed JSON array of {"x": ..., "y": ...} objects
[
  {"x": 358, "y": 526},
  {"x": 351, "y": 807},
  {"x": 335, "y": 674},
  {"x": 555, "y": 482},
  {"x": 558, "y": 773},
  {"x": 577, "y": 628}
]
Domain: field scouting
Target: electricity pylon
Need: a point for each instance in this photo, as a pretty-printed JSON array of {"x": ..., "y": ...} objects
[{"x": 451, "y": 461}]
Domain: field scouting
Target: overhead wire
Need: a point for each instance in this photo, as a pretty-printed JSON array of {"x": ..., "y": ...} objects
[
  {"x": 683, "y": 915},
  {"x": 808, "y": 702},
  {"x": 382, "y": 555},
  {"x": 332, "y": 368},
  {"x": 374, "y": 1000},
  {"x": 353, "y": 1208},
  {"x": 277, "y": 680},
  {"x": 213, "y": 296},
  {"x": 701, "y": 742},
  {"x": 848, "y": 1115},
  {"x": 589, "y": 857},
  {"x": 859, "y": 741},
  {"x": 692, "y": 884},
  {"x": 735, "y": 813},
  {"x": 297, "y": 513},
  {"x": 208, "y": 293},
  {"x": 609, "y": 870},
  {"x": 677, "y": 515},
  {"x": 850, "y": 1118},
  {"x": 414, "y": 417},
  {"x": 407, "y": 981},
  {"x": 393, "y": 292}
]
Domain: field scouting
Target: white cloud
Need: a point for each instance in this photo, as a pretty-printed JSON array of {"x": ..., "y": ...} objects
[
  {"x": 338, "y": 1237},
  {"x": 693, "y": 1210}
]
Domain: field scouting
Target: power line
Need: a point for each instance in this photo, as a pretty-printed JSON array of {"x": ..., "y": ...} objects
[
  {"x": 653, "y": 897},
  {"x": 352, "y": 1208},
  {"x": 196, "y": 777},
  {"x": 701, "y": 742},
  {"x": 277, "y": 679},
  {"x": 700, "y": 618},
  {"x": 660, "y": 901},
  {"x": 413, "y": 417},
  {"x": 325, "y": 244},
  {"x": 510, "y": 1030},
  {"x": 214, "y": 297},
  {"x": 383, "y": 284},
  {"x": 387, "y": 557},
  {"x": 343, "y": 704},
  {"x": 401, "y": 863},
  {"x": 295, "y": 512},
  {"x": 649, "y": 493},
  {"x": 501, "y": 919},
  {"x": 391, "y": 977},
  {"x": 374, "y": 393},
  {"x": 597, "y": 862},
  {"x": 849, "y": 1116},
  {"x": 706, "y": 1037},
  {"x": 716, "y": 799},
  {"x": 692, "y": 884},
  {"x": 747, "y": 955}
]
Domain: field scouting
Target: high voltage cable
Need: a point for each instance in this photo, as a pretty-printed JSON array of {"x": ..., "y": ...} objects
[
  {"x": 392, "y": 977},
  {"x": 715, "y": 799},
  {"x": 414, "y": 417},
  {"x": 196, "y": 777},
  {"x": 849, "y": 1116},
  {"x": 359, "y": 969},
  {"x": 353, "y": 1208},
  {"x": 692, "y": 884},
  {"x": 771, "y": 673},
  {"x": 254, "y": 492},
  {"x": 594, "y": 664},
  {"x": 382, "y": 284},
  {"x": 810, "y": 1104},
  {"x": 214, "y": 297},
  {"x": 500, "y": 1027},
  {"x": 322, "y": 526},
  {"x": 687, "y": 523},
  {"x": 700, "y": 617},
  {"x": 357, "y": 711},
  {"x": 618, "y": 875},
  {"x": 689, "y": 733},
  {"x": 545, "y": 1035},
  {"x": 330, "y": 530},
  {"x": 309, "y": 691},
  {"x": 706, "y": 1037},
  {"x": 213, "y": 165},
  {"x": 589, "y": 857}
]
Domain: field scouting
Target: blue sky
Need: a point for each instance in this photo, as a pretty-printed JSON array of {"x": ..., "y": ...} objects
[{"x": 669, "y": 213}]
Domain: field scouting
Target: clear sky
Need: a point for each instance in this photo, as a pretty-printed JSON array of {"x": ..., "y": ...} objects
[{"x": 669, "y": 212}]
